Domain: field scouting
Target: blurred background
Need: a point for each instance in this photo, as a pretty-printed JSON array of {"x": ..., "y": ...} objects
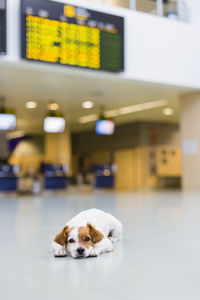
[{"x": 99, "y": 94}]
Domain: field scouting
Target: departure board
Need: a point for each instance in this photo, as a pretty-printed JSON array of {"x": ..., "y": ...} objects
[
  {"x": 65, "y": 34},
  {"x": 2, "y": 27}
]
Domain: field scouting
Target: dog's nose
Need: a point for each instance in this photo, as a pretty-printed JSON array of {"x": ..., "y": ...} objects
[{"x": 80, "y": 251}]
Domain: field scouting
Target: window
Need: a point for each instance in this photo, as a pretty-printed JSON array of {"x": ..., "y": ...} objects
[
  {"x": 122, "y": 3},
  {"x": 170, "y": 9},
  {"x": 148, "y": 6}
]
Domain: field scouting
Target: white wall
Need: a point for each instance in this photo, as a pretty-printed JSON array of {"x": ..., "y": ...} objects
[
  {"x": 162, "y": 50},
  {"x": 193, "y": 7},
  {"x": 157, "y": 50}
]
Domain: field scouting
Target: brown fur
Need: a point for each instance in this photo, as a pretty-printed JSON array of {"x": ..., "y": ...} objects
[
  {"x": 96, "y": 235},
  {"x": 61, "y": 237},
  {"x": 83, "y": 232}
]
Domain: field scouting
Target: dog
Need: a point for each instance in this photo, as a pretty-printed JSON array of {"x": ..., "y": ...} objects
[{"x": 88, "y": 234}]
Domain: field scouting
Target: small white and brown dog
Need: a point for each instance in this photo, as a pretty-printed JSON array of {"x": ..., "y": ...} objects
[{"x": 89, "y": 233}]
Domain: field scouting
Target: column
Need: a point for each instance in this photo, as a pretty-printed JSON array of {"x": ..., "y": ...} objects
[
  {"x": 159, "y": 7},
  {"x": 190, "y": 135},
  {"x": 4, "y": 146},
  {"x": 58, "y": 148}
]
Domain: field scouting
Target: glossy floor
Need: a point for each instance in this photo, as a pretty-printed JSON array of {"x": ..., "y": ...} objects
[{"x": 158, "y": 259}]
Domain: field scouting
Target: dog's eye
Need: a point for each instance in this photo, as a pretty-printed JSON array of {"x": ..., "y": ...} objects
[
  {"x": 87, "y": 239},
  {"x": 71, "y": 241}
]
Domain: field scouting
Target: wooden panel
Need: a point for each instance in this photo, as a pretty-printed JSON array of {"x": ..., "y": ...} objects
[
  {"x": 169, "y": 161},
  {"x": 134, "y": 169},
  {"x": 126, "y": 176}
]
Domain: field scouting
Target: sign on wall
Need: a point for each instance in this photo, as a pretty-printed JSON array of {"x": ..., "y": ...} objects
[
  {"x": 69, "y": 35},
  {"x": 2, "y": 27}
]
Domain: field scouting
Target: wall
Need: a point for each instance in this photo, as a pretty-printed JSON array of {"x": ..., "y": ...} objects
[
  {"x": 193, "y": 7},
  {"x": 169, "y": 161},
  {"x": 139, "y": 164},
  {"x": 157, "y": 50},
  {"x": 163, "y": 51},
  {"x": 126, "y": 136},
  {"x": 133, "y": 169}
]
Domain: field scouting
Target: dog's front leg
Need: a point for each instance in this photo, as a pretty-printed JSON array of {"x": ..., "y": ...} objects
[
  {"x": 58, "y": 250},
  {"x": 103, "y": 246}
]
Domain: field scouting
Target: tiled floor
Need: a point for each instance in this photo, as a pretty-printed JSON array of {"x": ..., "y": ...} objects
[{"x": 158, "y": 259}]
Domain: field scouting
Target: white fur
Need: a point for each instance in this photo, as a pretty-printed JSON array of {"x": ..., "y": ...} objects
[
  {"x": 58, "y": 250},
  {"x": 104, "y": 222},
  {"x": 72, "y": 248}
]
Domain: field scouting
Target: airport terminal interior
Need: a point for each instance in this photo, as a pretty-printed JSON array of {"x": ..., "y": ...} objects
[{"x": 99, "y": 108}]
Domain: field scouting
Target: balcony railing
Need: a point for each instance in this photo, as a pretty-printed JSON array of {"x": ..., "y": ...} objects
[{"x": 173, "y": 9}]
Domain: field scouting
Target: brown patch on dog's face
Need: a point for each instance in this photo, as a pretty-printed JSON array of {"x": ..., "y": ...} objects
[
  {"x": 95, "y": 234},
  {"x": 85, "y": 237}
]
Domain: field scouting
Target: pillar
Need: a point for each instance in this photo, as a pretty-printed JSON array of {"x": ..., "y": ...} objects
[
  {"x": 190, "y": 135},
  {"x": 3, "y": 146},
  {"x": 58, "y": 148}
]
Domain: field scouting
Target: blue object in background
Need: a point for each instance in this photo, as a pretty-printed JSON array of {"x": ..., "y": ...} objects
[
  {"x": 104, "y": 182},
  {"x": 54, "y": 176},
  {"x": 55, "y": 183},
  {"x": 8, "y": 184},
  {"x": 8, "y": 180},
  {"x": 104, "y": 177}
]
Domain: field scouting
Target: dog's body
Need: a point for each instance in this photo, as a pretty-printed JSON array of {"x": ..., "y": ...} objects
[{"x": 89, "y": 233}]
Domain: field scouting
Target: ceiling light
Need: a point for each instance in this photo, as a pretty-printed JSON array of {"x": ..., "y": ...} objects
[
  {"x": 168, "y": 111},
  {"x": 31, "y": 104},
  {"x": 129, "y": 109},
  {"x": 53, "y": 106},
  {"x": 111, "y": 113},
  {"x": 88, "y": 118},
  {"x": 87, "y": 104},
  {"x": 125, "y": 110},
  {"x": 142, "y": 106}
]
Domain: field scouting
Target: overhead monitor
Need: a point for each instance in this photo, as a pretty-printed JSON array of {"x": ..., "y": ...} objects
[
  {"x": 7, "y": 121},
  {"x": 105, "y": 127},
  {"x": 65, "y": 34},
  {"x": 2, "y": 27},
  {"x": 54, "y": 124}
]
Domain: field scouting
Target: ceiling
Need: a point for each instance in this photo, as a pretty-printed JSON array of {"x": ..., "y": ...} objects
[{"x": 24, "y": 81}]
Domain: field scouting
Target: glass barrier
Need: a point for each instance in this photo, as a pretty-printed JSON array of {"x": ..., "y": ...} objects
[{"x": 172, "y": 9}]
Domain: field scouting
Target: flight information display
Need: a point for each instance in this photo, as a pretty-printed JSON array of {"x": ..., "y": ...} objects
[
  {"x": 69, "y": 35},
  {"x": 2, "y": 27}
]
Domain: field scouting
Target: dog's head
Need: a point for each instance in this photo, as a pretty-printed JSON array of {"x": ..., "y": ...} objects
[{"x": 79, "y": 241}]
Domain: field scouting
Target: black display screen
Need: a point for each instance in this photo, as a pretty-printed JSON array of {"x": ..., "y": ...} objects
[
  {"x": 69, "y": 35},
  {"x": 2, "y": 26}
]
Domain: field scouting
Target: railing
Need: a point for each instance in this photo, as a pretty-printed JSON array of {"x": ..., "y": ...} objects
[{"x": 173, "y": 9}]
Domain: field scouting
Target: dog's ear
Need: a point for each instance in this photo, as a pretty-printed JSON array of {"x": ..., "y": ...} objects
[
  {"x": 95, "y": 234},
  {"x": 61, "y": 237}
]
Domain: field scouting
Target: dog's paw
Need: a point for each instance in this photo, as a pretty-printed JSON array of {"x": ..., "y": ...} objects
[
  {"x": 60, "y": 253},
  {"x": 93, "y": 253}
]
